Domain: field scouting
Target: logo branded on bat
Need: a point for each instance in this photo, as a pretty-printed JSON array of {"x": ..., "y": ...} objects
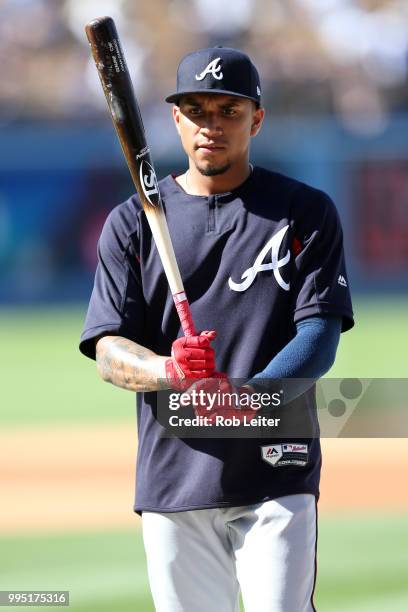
[
  {"x": 213, "y": 69},
  {"x": 273, "y": 245},
  {"x": 143, "y": 152},
  {"x": 148, "y": 181}
]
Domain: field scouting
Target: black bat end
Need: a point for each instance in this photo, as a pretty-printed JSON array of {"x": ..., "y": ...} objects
[{"x": 98, "y": 25}]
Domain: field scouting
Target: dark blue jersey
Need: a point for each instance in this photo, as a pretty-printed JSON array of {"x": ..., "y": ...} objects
[{"x": 254, "y": 262}]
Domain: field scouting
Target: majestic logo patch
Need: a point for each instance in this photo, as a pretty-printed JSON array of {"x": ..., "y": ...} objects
[
  {"x": 273, "y": 245},
  {"x": 272, "y": 454},
  {"x": 212, "y": 68},
  {"x": 342, "y": 281},
  {"x": 289, "y": 453},
  {"x": 148, "y": 181}
]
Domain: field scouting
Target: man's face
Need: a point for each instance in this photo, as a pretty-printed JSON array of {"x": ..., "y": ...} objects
[{"x": 215, "y": 129}]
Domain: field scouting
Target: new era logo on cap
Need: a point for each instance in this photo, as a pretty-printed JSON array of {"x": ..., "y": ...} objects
[{"x": 217, "y": 70}]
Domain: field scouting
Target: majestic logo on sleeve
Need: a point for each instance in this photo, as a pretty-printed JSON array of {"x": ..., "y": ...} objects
[
  {"x": 212, "y": 68},
  {"x": 149, "y": 184},
  {"x": 273, "y": 245}
]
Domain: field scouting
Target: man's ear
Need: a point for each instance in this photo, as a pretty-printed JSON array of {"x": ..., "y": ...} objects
[
  {"x": 176, "y": 117},
  {"x": 257, "y": 120}
]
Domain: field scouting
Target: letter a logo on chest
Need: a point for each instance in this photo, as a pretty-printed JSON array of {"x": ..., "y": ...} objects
[
  {"x": 273, "y": 245},
  {"x": 213, "y": 69}
]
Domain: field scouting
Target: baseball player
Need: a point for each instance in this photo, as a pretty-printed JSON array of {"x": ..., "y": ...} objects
[{"x": 261, "y": 256}]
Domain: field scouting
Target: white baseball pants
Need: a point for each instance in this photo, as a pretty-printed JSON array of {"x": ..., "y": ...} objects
[{"x": 199, "y": 560}]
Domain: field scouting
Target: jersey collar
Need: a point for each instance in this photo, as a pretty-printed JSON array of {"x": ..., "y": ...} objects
[{"x": 172, "y": 186}]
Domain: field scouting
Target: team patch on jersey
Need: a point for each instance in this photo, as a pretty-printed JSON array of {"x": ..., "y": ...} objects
[
  {"x": 273, "y": 246},
  {"x": 288, "y": 453}
]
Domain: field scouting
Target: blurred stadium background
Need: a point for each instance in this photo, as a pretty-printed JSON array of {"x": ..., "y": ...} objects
[{"x": 335, "y": 81}]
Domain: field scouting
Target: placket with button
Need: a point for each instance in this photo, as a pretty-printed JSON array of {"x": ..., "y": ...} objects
[{"x": 212, "y": 202}]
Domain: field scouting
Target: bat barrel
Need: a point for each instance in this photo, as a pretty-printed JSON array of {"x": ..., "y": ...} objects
[
  {"x": 124, "y": 109},
  {"x": 117, "y": 86},
  {"x": 108, "y": 55}
]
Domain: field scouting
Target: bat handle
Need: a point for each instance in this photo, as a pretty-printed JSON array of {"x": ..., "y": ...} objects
[{"x": 184, "y": 313}]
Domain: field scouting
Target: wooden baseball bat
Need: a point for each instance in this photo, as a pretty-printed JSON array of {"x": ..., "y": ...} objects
[{"x": 125, "y": 113}]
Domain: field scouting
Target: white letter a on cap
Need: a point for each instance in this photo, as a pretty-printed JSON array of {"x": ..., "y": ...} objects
[{"x": 213, "y": 69}]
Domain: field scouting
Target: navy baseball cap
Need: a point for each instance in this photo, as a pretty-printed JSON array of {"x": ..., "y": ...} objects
[{"x": 217, "y": 70}]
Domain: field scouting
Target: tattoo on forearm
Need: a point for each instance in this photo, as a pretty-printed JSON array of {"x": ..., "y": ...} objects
[{"x": 129, "y": 365}]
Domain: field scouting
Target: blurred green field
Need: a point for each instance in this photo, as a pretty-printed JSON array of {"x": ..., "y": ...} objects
[
  {"x": 362, "y": 567},
  {"x": 45, "y": 379}
]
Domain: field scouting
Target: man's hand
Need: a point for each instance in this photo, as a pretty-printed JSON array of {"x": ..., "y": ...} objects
[
  {"x": 217, "y": 396},
  {"x": 191, "y": 358}
]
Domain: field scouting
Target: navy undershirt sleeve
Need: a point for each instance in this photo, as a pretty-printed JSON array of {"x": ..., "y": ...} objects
[{"x": 308, "y": 356}]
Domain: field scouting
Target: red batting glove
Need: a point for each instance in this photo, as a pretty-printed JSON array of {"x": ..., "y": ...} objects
[
  {"x": 191, "y": 357},
  {"x": 230, "y": 401}
]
